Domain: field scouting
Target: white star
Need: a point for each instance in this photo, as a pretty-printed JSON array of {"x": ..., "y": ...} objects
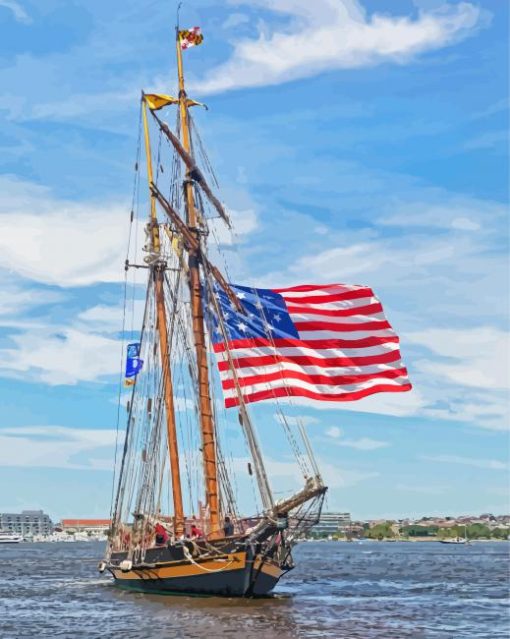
[
  {"x": 277, "y": 317},
  {"x": 241, "y": 295},
  {"x": 258, "y": 304},
  {"x": 242, "y": 327}
]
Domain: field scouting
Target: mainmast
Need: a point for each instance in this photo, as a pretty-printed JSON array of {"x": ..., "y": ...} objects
[
  {"x": 158, "y": 273},
  {"x": 206, "y": 416}
]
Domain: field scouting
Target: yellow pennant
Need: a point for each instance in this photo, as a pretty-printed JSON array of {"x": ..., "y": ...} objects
[{"x": 156, "y": 101}]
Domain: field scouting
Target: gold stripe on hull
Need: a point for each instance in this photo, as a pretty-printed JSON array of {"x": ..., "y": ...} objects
[
  {"x": 234, "y": 561},
  {"x": 268, "y": 568}
]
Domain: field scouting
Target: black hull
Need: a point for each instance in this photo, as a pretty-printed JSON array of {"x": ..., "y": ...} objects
[
  {"x": 237, "y": 574},
  {"x": 228, "y": 584}
]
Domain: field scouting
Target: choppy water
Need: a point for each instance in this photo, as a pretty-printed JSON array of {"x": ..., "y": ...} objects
[{"x": 338, "y": 591}]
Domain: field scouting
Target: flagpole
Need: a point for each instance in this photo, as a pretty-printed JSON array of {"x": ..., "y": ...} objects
[{"x": 194, "y": 259}]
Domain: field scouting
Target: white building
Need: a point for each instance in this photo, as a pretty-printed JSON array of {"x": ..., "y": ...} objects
[
  {"x": 332, "y": 523},
  {"x": 26, "y": 523}
]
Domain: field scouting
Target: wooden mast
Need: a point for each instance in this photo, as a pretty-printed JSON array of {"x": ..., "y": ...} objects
[
  {"x": 206, "y": 417},
  {"x": 159, "y": 273}
]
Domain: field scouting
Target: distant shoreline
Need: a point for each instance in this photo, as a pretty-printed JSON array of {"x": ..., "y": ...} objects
[{"x": 410, "y": 540}]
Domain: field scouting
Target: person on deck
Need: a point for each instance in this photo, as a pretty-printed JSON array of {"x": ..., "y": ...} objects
[
  {"x": 161, "y": 535},
  {"x": 228, "y": 527},
  {"x": 196, "y": 533}
]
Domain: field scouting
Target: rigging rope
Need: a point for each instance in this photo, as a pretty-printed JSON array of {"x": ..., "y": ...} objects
[{"x": 136, "y": 182}]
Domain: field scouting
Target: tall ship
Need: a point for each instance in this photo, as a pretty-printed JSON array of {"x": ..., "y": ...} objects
[{"x": 205, "y": 351}]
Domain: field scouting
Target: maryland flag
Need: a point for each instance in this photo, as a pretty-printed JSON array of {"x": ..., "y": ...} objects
[{"x": 190, "y": 37}]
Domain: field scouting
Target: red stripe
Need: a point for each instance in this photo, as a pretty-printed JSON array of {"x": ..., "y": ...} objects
[
  {"x": 340, "y": 327},
  {"x": 315, "y": 344},
  {"x": 345, "y": 312},
  {"x": 303, "y": 288},
  {"x": 326, "y": 397},
  {"x": 334, "y": 297},
  {"x": 333, "y": 380},
  {"x": 306, "y": 360}
]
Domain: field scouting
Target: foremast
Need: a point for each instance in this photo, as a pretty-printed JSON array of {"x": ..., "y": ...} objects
[{"x": 158, "y": 274}]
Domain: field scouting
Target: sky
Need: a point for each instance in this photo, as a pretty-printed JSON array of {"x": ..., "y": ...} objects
[{"x": 362, "y": 142}]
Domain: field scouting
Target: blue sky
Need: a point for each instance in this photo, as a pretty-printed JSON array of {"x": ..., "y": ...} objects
[{"x": 360, "y": 142}]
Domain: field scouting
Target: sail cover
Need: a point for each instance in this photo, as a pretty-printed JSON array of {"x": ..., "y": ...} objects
[{"x": 323, "y": 342}]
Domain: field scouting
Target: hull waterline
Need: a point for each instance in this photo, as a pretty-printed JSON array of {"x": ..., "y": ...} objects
[{"x": 233, "y": 575}]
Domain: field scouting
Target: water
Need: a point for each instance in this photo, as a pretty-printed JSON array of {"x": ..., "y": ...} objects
[{"x": 338, "y": 591}]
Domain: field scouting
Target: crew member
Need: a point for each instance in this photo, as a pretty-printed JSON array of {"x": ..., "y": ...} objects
[
  {"x": 196, "y": 533},
  {"x": 161, "y": 535},
  {"x": 228, "y": 527}
]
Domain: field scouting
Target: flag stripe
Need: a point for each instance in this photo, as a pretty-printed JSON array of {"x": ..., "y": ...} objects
[
  {"x": 326, "y": 319},
  {"x": 321, "y": 298},
  {"x": 303, "y": 360},
  {"x": 353, "y": 332},
  {"x": 342, "y": 326},
  {"x": 366, "y": 339},
  {"x": 306, "y": 288},
  {"x": 309, "y": 369},
  {"x": 325, "y": 380},
  {"x": 294, "y": 391},
  {"x": 356, "y": 307},
  {"x": 325, "y": 389}
]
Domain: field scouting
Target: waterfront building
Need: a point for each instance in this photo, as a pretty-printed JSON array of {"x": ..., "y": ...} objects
[
  {"x": 88, "y": 526},
  {"x": 26, "y": 523},
  {"x": 332, "y": 523}
]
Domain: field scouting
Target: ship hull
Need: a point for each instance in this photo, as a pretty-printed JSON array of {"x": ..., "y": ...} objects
[{"x": 231, "y": 576}]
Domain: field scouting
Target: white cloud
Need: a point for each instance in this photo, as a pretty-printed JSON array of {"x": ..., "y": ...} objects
[
  {"x": 294, "y": 420},
  {"x": 58, "y": 447},
  {"x": 337, "y": 477},
  {"x": 480, "y": 355},
  {"x": 334, "y": 34},
  {"x": 395, "y": 404},
  {"x": 64, "y": 356},
  {"x": 234, "y": 20},
  {"x": 19, "y": 13},
  {"x": 16, "y": 299},
  {"x": 106, "y": 319},
  {"x": 490, "y": 464},
  {"x": 60, "y": 242},
  {"x": 488, "y": 140},
  {"x": 243, "y": 223},
  {"x": 449, "y": 212},
  {"x": 286, "y": 476},
  {"x": 54, "y": 241},
  {"x": 364, "y": 443},
  {"x": 334, "y": 476}
]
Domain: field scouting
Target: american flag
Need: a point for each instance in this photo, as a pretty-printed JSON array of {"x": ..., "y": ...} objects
[{"x": 327, "y": 342}]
